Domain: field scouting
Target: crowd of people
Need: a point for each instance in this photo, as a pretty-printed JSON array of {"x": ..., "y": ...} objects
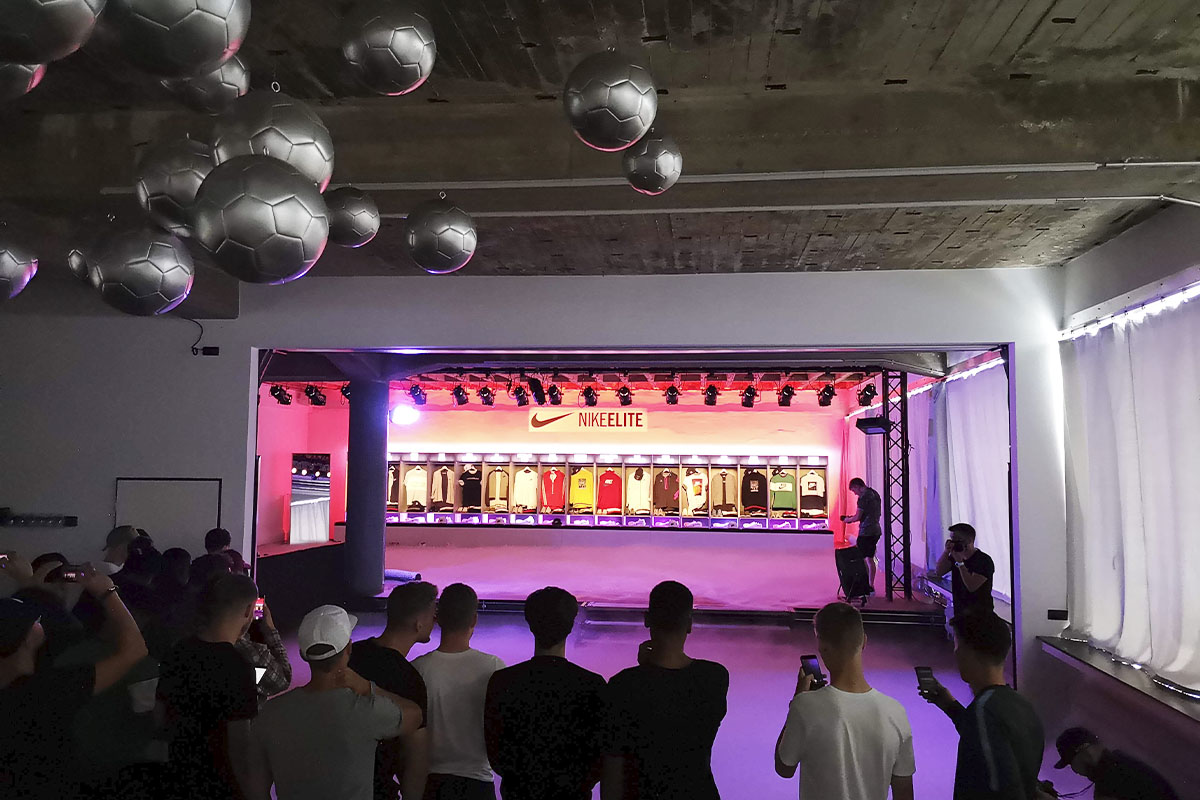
[{"x": 155, "y": 675}]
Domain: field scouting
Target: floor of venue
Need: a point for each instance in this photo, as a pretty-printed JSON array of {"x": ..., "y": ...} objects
[{"x": 762, "y": 661}]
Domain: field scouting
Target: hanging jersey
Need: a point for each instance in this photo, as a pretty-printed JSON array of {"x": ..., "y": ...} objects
[
  {"x": 525, "y": 490},
  {"x": 754, "y": 491},
  {"x": 471, "y": 489},
  {"x": 722, "y": 488},
  {"x": 695, "y": 489},
  {"x": 783, "y": 491},
  {"x": 812, "y": 483},
  {"x": 393, "y": 491},
  {"x": 608, "y": 493},
  {"x": 666, "y": 491},
  {"x": 554, "y": 490},
  {"x": 497, "y": 490},
  {"x": 416, "y": 486},
  {"x": 442, "y": 490},
  {"x": 582, "y": 493},
  {"x": 637, "y": 492}
]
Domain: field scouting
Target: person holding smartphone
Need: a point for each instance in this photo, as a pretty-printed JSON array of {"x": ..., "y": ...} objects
[
  {"x": 970, "y": 569},
  {"x": 262, "y": 646},
  {"x": 847, "y": 740}
]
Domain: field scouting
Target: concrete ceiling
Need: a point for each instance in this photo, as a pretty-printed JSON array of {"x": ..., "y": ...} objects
[{"x": 816, "y": 133}]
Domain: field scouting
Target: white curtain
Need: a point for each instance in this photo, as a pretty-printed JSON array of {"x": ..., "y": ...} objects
[
  {"x": 918, "y": 477},
  {"x": 310, "y": 521},
  {"x": 1133, "y": 489},
  {"x": 973, "y": 425}
]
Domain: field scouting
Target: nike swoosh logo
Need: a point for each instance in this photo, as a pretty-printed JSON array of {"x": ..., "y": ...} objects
[{"x": 541, "y": 423}]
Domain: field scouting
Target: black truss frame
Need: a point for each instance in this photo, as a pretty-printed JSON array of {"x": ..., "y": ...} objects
[{"x": 897, "y": 534}]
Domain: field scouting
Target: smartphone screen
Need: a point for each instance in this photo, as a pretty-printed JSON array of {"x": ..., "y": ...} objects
[
  {"x": 812, "y": 666},
  {"x": 925, "y": 680},
  {"x": 72, "y": 574},
  {"x": 258, "y": 607}
]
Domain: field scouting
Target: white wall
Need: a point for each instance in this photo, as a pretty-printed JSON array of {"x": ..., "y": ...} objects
[{"x": 87, "y": 398}]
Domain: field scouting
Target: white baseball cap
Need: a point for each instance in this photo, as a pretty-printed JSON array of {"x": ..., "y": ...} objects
[{"x": 322, "y": 628}]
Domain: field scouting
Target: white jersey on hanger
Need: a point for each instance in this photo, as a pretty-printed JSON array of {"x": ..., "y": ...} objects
[
  {"x": 811, "y": 483},
  {"x": 525, "y": 490},
  {"x": 416, "y": 485},
  {"x": 637, "y": 492},
  {"x": 695, "y": 486}
]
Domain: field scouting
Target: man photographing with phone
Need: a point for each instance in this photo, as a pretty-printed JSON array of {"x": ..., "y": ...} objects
[{"x": 970, "y": 569}]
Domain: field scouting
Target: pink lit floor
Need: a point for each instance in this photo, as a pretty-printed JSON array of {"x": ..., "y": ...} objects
[
  {"x": 762, "y": 661},
  {"x": 719, "y": 577}
]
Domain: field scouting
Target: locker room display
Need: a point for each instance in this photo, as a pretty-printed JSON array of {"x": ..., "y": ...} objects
[{"x": 718, "y": 492}]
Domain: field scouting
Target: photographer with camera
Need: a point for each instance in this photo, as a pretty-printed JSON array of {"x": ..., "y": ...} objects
[{"x": 970, "y": 569}]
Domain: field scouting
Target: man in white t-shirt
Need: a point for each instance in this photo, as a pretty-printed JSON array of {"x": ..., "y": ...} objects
[
  {"x": 456, "y": 679},
  {"x": 849, "y": 741}
]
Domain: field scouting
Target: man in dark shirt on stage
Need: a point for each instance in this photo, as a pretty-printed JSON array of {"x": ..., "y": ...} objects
[
  {"x": 1117, "y": 775},
  {"x": 543, "y": 719},
  {"x": 1001, "y": 740},
  {"x": 664, "y": 713},
  {"x": 970, "y": 569},
  {"x": 411, "y": 612},
  {"x": 870, "y": 508}
]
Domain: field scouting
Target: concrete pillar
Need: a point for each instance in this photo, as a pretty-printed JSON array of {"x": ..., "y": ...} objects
[{"x": 366, "y": 489}]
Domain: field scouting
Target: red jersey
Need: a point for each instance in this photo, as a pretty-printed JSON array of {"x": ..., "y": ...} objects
[
  {"x": 608, "y": 493},
  {"x": 554, "y": 490}
]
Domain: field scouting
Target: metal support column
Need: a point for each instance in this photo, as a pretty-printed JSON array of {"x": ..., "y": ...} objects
[{"x": 897, "y": 536}]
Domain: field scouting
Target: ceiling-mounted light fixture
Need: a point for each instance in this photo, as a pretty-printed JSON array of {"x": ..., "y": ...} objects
[
  {"x": 404, "y": 415},
  {"x": 786, "y": 393},
  {"x": 281, "y": 395},
  {"x": 314, "y": 394},
  {"x": 459, "y": 395},
  {"x": 625, "y": 395},
  {"x": 555, "y": 395},
  {"x": 487, "y": 396},
  {"x": 866, "y": 394},
  {"x": 710, "y": 395},
  {"x": 417, "y": 394},
  {"x": 538, "y": 391},
  {"x": 826, "y": 395},
  {"x": 346, "y": 390},
  {"x": 672, "y": 395},
  {"x": 749, "y": 395},
  {"x": 520, "y": 395},
  {"x": 589, "y": 396}
]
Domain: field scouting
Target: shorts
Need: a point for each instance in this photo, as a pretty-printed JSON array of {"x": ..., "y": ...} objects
[{"x": 868, "y": 544}]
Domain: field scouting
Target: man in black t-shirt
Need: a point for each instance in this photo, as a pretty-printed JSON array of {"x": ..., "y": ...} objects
[
  {"x": 664, "y": 713},
  {"x": 411, "y": 612},
  {"x": 38, "y": 706},
  {"x": 1001, "y": 740},
  {"x": 208, "y": 691},
  {"x": 1117, "y": 775},
  {"x": 970, "y": 569},
  {"x": 870, "y": 508},
  {"x": 543, "y": 718}
]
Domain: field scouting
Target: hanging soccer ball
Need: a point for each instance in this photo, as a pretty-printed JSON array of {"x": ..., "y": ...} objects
[
  {"x": 440, "y": 237},
  {"x": 261, "y": 219},
  {"x": 610, "y": 101},
  {"x": 77, "y": 262},
  {"x": 353, "y": 216},
  {"x": 17, "y": 80},
  {"x": 273, "y": 124},
  {"x": 17, "y": 268},
  {"x": 144, "y": 271},
  {"x": 179, "y": 38},
  {"x": 215, "y": 92},
  {"x": 653, "y": 164},
  {"x": 390, "y": 46},
  {"x": 40, "y": 31},
  {"x": 168, "y": 176}
]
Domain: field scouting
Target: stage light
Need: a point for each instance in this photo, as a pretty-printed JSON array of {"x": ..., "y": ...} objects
[
  {"x": 520, "y": 395},
  {"x": 826, "y": 395},
  {"x": 710, "y": 396},
  {"x": 589, "y": 396},
  {"x": 346, "y": 390},
  {"x": 487, "y": 397},
  {"x": 538, "y": 392},
  {"x": 672, "y": 395},
  {"x": 281, "y": 395},
  {"x": 749, "y": 395},
  {"x": 459, "y": 395},
  {"x": 404, "y": 415},
  {"x": 303, "y": 472},
  {"x": 866, "y": 394},
  {"x": 294, "y": 470},
  {"x": 625, "y": 396},
  {"x": 555, "y": 395},
  {"x": 786, "y": 393},
  {"x": 417, "y": 394},
  {"x": 314, "y": 394}
]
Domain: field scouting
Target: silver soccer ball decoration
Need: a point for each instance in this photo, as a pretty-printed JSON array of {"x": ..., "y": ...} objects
[
  {"x": 144, "y": 271},
  {"x": 17, "y": 268},
  {"x": 610, "y": 101},
  {"x": 179, "y": 38},
  {"x": 261, "y": 219},
  {"x": 40, "y": 31},
  {"x": 390, "y": 46},
  {"x": 653, "y": 164},
  {"x": 353, "y": 216},
  {"x": 215, "y": 92},
  {"x": 273, "y": 124},
  {"x": 440, "y": 237},
  {"x": 168, "y": 177},
  {"x": 77, "y": 262},
  {"x": 19, "y": 79}
]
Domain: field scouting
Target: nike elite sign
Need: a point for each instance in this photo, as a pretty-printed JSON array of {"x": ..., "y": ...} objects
[{"x": 562, "y": 421}]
